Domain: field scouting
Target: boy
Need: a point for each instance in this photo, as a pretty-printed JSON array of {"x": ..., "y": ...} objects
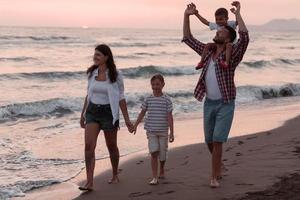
[
  {"x": 159, "y": 119},
  {"x": 221, "y": 17}
]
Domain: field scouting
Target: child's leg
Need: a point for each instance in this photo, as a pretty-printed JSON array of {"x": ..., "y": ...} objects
[
  {"x": 153, "y": 145},
  {"x": 163, "y": 149},
  {"x": 154, "y": 164},
  {"x": 162, "y": 169},
  {"x": 228, "y": 53},
  {"x": 208, "y": 46},
  {"x": 200, "y": 64}
]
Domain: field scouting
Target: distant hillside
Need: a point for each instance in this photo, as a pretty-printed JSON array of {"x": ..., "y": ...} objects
[{"x": 279, "y": 25}]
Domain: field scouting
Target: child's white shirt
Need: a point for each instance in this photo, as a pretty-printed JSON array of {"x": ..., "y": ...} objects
[{"x": 214, "y": 26}]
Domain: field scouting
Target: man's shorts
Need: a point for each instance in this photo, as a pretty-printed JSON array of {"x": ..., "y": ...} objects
[
  {"x": 158, "y": 142},
  {"x": 218, "y": 118},
  {"x": 102, "y": 115}
]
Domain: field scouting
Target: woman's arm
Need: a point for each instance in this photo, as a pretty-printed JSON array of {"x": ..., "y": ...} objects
[
  {"x": 82, "y": 120},
  {"x": 123, "y": 106}
]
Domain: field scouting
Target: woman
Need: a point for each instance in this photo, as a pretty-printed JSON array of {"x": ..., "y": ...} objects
[{"x": 101, "y": 111}]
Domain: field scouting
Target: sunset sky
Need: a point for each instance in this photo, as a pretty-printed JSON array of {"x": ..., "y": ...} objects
[{"x": 133, "y": 13}]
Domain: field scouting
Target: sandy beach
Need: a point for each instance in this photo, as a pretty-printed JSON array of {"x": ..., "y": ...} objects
[{"x": 257, "y": 162}]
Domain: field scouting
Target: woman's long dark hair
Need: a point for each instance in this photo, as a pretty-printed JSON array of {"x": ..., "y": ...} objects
[{"x": 110, "y": 63}]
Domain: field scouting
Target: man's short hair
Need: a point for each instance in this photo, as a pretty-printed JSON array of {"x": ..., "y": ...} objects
[
  {"x": 232, "y": 33},
  {"x": 221, "y": 12}
]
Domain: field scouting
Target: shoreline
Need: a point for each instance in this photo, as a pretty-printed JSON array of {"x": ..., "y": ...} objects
[{"x": 140, "y": 158}]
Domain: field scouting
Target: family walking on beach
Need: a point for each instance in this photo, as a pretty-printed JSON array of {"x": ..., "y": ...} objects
[{"x": 105, "y": 95}]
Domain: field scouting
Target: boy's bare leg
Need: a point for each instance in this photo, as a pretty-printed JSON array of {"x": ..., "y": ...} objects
[
  {"x": 200, "y": 64},
  {"x": 207, "y": 47},
  {"x": 154, "y": 164},
  {"x": 228, "y": 53},
  {"x": 162, "y": 170}
]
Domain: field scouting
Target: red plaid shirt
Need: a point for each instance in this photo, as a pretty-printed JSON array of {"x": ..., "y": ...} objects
[{"x": 225, "y": 77}]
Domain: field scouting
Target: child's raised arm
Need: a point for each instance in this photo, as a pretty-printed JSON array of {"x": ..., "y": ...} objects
[
  {"x": 202, "y": 19},
  {"x": 139, "y": 119}
]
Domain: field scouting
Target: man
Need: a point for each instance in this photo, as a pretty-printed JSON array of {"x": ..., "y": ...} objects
[{"x": 217, "y": 83}]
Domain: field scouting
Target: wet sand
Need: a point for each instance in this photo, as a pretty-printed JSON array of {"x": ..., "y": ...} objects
[{"x": 254, "y": 163}]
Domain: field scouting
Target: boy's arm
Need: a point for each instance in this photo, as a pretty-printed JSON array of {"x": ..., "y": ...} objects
[
  {"x": 139, "y": 119},
  {"x": 202, "y": 19},
  {"x": 171, "y": 125}
]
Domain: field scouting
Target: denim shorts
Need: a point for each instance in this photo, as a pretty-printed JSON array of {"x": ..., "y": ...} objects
[
  {"x": 218, "y": 118},
  {"x": 101, "y": 114}
]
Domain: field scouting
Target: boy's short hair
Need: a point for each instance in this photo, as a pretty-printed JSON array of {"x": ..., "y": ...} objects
[
  {"x": 159, "y": 77},
  {"x": 232, "y": 33},
  {"x": 221, "y": 12}
]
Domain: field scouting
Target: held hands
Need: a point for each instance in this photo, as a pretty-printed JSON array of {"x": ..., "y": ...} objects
[
  {"x": 129, "y": 126},
  {"x": 237, "y": 8},
  {"x": 134, "y": 129},
  {"x": 191, "y": 9}
]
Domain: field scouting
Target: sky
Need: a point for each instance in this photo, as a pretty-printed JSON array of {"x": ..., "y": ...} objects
[{"x": 134, "y": 13}]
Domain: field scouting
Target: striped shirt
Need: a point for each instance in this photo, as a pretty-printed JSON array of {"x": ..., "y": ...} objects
[
  {"x": 225, "y": 77},
  {"x": 157, "y": 109}
]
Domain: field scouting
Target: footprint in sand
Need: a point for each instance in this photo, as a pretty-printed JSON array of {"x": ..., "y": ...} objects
[
  {"x": 297, "y": 151},
  {"x": 240, "y": 142},
  {"x": 171, "y": 183},
  {"x": 185, "y": 163},
  {"x": 167, "y": 192},
  {"x": 269, "y": 133},
  {"x": 238, "y": 154},
  {"x": 228, "y": 149},
  {"x": 140, "y": 162},
  {"x": 244, "y": 184},
  {"x": 138, "y": 194},
  {"x": 250, "y": 138}
]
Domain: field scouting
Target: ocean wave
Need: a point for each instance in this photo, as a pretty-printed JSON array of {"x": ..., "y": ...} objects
[
  {"x": 59, "y": 107},
  {"x": 135, "y": 72},
  {"x": 267, "y": 63},
  {"x": 20, "y": 166},
  {"x": 44, "y": 75},
  {"x": 16, "y": 59},
  {"x": 19, "y": 188},
  {"x": 134, "y": 44},
  {"x": 35, "y": 38},
  {"x": 46, "y": 108},
  {"x": 146, "y": 71},
  {"x": 250, "y": 93}
]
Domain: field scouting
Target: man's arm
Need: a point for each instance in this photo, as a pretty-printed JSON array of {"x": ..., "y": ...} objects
[
  {"x": 239, "y": 19},
  {"x": 187, "y": 36},
  {"x": 190, "y": 10},
  {"x": 240, "y": 47}
]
